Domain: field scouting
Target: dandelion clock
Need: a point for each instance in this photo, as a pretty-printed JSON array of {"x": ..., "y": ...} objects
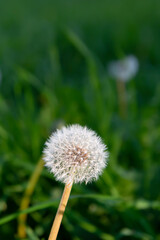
[
  {"x": 74, "y": 154},
  {"x": 123, "y": 71}
]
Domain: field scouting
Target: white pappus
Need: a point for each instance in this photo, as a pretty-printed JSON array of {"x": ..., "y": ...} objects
[
  {"x": 75, "y": 154},
  {"x": 124, "y": 69}
]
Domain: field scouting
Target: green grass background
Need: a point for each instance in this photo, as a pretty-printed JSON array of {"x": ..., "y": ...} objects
[{"x": 53, "y": 59}]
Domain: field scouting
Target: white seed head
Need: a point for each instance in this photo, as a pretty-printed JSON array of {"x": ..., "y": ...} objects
[
  {"x": 75, "y": 154},
  {"x": 124, "y": 69}
]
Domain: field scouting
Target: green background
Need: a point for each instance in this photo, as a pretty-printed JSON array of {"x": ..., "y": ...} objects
[{"x": 53, "y": 62}]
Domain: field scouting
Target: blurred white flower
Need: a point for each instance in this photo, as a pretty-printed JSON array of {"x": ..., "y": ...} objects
[
  {"x": 124, "y": 69},
  {"x": 75, "y": 154}
]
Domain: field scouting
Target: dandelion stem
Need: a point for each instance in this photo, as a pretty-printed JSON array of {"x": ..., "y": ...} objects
[
  {"x": 122, "y": 98},
  {"x": 60, "y": 212}
]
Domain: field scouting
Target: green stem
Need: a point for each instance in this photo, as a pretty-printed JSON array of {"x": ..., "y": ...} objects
[{"x": 27, "y": 198}]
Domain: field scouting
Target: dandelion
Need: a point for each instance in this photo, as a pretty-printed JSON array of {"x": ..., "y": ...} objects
[
  {"x": 73, "y": 154},
  {"x": 123, "y": 71}
]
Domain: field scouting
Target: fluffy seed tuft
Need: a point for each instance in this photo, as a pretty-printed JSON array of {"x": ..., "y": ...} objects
[
  {"x": 124, "y": 69},
  {"x": 75, "y": 154}
]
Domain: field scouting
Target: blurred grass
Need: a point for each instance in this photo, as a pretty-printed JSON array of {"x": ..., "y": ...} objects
[{"x": 53, "y": 58}]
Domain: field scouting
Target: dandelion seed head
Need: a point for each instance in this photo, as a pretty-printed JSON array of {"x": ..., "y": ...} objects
[
  {"x": 75, "y": 154},
  {"x": 124, "y": 69}
]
